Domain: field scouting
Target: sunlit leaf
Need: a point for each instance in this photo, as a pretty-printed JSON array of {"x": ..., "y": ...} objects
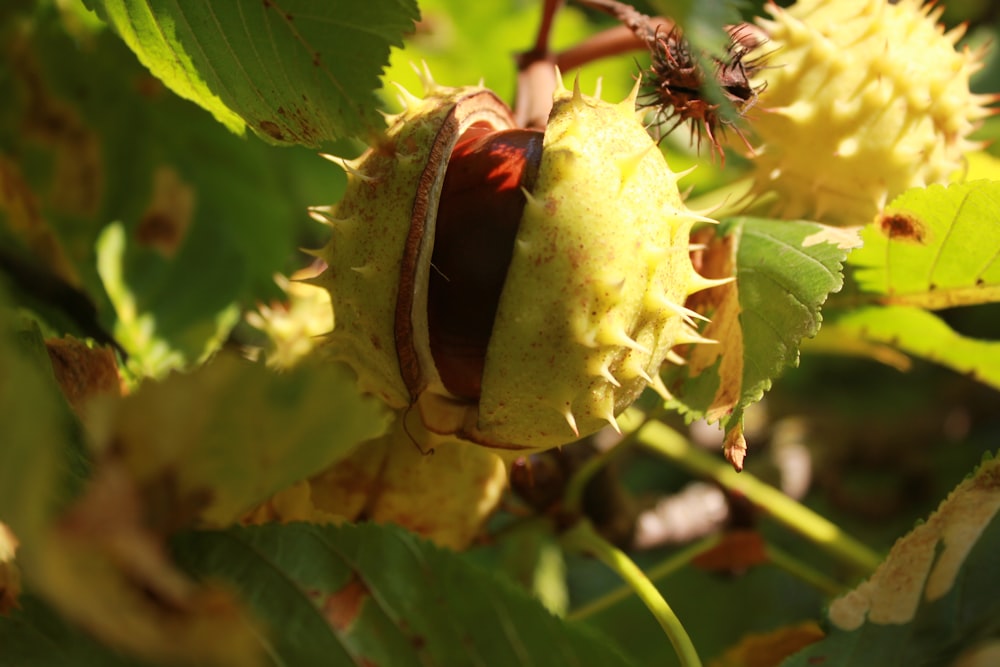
[
  {"x": 379, "y": 595},
  {"x": 784, "y": 273},
  {"x": 932, "y": 248},
  {"x": 922, "y": 334},
  {"x": 213, "y": 442},
  {"x": 983, "y": 165},
  {"x": 293, "y": 70},
  {"x": 155, "y": 346},
  {"x": 935, "y": 594}
]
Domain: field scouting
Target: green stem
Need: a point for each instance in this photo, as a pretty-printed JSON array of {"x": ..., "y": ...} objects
[
  {"x": 674, "y": 446},
  {"x": 802, "y": 571},
  {"x": 582, "y": 537},
  {"x": 660, "y": 571}
]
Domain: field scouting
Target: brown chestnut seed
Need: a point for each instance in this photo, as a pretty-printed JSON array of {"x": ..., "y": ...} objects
[{"x": 482, "y": 201}]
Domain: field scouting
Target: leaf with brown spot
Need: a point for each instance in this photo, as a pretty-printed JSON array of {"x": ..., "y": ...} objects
[
  {"x": 94, "y": 557},
  {"x": 246, "y": 222},
  {"x": 935, "y": 247},
  {"x": 77, "y": 181},
  {"x": 902, "y": 228},
  {"x": 932, "y": 248},
  {"x": 169, "y": 454},
  {"x": 934, "y": 595},
  {"x": 343, "y": 606}
]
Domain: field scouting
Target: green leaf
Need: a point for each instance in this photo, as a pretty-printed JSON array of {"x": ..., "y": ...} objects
[
  {"x": 934, "y": 596},
  {"x": 293, "y": 70},
  {"x": 34, "y": 434},
  {"x": 200, "y": 447},
  {"x": 379, "y": 595},
  {"x": 784, "y": 273},
  {"x": 203, "y": 213},
  {"x": 934, "y": 247},
  {"x": 161, "y": 333},
  {"x": 922, "y": 334},
  {"x": 232, "y": 433},
  {"x": 36, "y": 635}
]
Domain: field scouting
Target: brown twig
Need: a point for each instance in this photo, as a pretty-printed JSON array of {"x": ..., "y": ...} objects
[
  {"x": 611, "y": 42},
  {"x": 536, "y": 77}
]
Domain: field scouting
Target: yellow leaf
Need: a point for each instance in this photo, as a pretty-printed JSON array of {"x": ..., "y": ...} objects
[{"x": 106, "y": 570}]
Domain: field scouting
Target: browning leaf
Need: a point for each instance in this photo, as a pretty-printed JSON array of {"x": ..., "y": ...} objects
[
  {"x": 934, "y": 595},
  {"x": 83, "y": 371},
  {"x": 769, "y": 649},
  {"x": 106, "y": 570},
  {"x": 784, "y": 273},
  {"x": 210, "y": 444},
  {"x": 25, "y": 219},
  {"x": 738, "y": 552}
]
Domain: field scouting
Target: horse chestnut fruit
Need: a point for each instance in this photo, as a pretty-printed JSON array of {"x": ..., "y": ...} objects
[{"x": 516, "y": 289}]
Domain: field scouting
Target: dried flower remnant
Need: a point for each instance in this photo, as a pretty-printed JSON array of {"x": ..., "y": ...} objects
[{"x": 677, "y": 88}]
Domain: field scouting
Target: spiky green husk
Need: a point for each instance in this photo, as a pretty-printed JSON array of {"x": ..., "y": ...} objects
[
  {"x": 593, "y": 299},
  {"x": 864, "y": 100}
]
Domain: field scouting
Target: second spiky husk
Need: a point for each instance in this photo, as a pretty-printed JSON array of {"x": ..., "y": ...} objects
[{"x": 866, "y": 99}]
